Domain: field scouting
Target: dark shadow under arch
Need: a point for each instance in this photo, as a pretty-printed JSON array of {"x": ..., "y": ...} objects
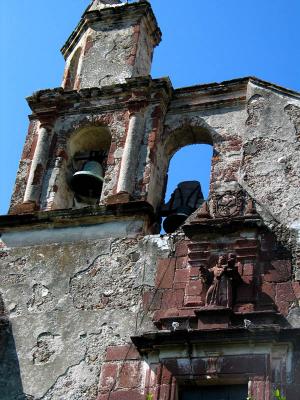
[
  {"x": 87, "y": 148},
  {"x": 89, "y": 138}
]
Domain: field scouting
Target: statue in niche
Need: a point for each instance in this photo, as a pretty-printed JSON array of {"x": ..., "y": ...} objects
[{"x": 223, "y": 279}]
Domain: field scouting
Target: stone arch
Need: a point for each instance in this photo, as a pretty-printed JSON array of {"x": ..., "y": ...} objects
[
  {"x": 181, "y": 190},
  {"x": 185, "y": 133},
  {"x": 82, "y": 137},
  {"x": 185, "y": 136},
  {"x": 89, "y": 138}
]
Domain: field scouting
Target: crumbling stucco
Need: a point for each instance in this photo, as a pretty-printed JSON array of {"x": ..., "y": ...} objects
[
  {"x": 73, "y": 284},
  {"x": 67, "y": 303}
]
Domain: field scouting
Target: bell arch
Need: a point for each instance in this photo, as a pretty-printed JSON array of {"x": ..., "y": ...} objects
[
  {"x": 185, "y": 136},
  {"x": 174, "y": 140},
  {"x": 83, "y": 139},
  {"x": 191, "y": 162},
  {"x": 87, "y": 149},
  {"x": 89, "y": 138},
  {"x": 187, "y": 153}
]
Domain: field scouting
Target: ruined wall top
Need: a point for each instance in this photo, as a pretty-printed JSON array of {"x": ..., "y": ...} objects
[{"x": 98, "y": 4}]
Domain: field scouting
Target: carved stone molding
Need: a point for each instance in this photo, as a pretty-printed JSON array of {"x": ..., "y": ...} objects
[{"x": 228, "y": 204}]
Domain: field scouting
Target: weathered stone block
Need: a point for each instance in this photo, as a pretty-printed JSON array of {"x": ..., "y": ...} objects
[
  {"x": 121, "y": 353},
  {"x": 130, "y": 375},
  {"x": 278, "y": 271},
  {"x": 194, "y": 288},
  {"x": 108, "y": 377},
  {"x": 172, "y": 299},
  {"x": 165, "y": 273},
  {"x": 284, "y": 296},
  {"x": 181, "y": 275}
]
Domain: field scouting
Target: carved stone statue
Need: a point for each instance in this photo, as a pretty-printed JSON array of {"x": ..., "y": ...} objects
[{"x": 223, "y": 279}]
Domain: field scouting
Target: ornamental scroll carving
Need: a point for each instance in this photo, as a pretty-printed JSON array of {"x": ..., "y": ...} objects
[{"x": 228, "y": 204}]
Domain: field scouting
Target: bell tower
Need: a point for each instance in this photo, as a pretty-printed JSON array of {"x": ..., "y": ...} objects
[
  {"x": 96, "y": 303},
  {"x": 84, "y": 142},
  {"x": 113, "y": 41}
]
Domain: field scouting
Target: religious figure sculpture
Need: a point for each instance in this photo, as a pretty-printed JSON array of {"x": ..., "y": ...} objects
[{"x": 223, "y": 279}]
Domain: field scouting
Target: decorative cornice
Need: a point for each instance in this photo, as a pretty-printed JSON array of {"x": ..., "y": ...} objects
[
  {"x": 155, "y": 340},
  {"x": 228, "y": 211},
  {"x": 50, "y": 101},
  {"x": 227, "y": 225},
  {"x": 201, "y": 97},
  {"x": 69, "y": 217},
  {"x": 221, "y": 94}
]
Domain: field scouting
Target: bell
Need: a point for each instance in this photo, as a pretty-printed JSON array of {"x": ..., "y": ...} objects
[
  {"x": 176, "y": 219},
  {"x": 185, "y": 199},
  {"x": 88, "y": 182}
]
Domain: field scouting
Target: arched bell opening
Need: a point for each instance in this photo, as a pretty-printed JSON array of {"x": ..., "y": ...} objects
[
  {"x": 187, "y": 177},
  {"x": 88, "y": 151}
]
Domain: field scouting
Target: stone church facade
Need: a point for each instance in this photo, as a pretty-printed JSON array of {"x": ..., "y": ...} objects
[{"x": 95, "y": 302}]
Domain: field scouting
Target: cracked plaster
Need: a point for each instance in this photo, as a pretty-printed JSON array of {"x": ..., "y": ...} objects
[{"x": 61, "y": 350}]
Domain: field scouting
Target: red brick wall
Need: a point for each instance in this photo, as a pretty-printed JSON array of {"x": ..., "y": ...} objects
[
  {"x": 264, "y": 267},
  {"x": 122, "y": 375}
]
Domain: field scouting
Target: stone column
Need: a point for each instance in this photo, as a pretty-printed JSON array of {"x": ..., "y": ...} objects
[
  {"x": 38, "y": 165},
  {"x": 130, "y": 155}
]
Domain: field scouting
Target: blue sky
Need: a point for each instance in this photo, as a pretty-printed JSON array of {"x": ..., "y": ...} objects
[{"x": 203, "y": 41}]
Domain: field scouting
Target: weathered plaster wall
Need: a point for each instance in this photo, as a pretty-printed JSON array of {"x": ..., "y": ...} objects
[
  {"x": 141, "y": 57},
  {"x": 66, "y": 304},
  {"x": 104, "y": 61},
  {"x": 115, "y": 43},
  {"x": 78, "y": 298},
  {"x": 255, "y": 144},
  {"x": 270, "y": 167},
  {"x": 72, "y": 73},
  {"x": 74, "y": 296}
]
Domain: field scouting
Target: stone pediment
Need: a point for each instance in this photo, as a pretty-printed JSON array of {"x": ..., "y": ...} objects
[{"x": 226, "y": 210}]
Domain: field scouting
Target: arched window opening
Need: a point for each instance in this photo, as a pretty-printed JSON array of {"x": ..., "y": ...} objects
[
  {"x": 188, "y": 181},
  {"x": 73, "y": 70},
  {"x": 88, "y": 150}
]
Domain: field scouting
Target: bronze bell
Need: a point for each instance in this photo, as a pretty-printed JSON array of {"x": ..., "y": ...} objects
[
  {"x": 175, "y": 220},
  {"x": 88, "y": 182},
  {"x": 185, "y": 199}
]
